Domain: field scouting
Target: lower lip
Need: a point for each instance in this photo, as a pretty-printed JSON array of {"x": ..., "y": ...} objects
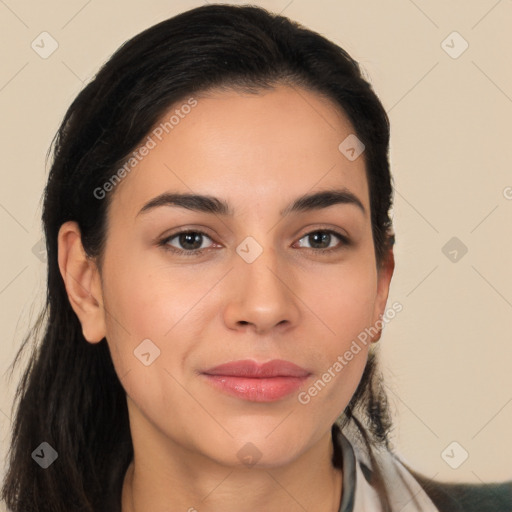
[{"x": 267, "y": 389}]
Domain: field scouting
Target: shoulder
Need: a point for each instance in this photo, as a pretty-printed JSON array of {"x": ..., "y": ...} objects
[{"x": 465, "y": 497}]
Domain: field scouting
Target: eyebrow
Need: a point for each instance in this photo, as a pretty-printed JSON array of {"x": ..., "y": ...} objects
[{"x": 214, "y": 205}]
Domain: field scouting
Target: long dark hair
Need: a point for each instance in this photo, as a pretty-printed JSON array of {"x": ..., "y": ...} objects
[{"x": 70, "y": 395}]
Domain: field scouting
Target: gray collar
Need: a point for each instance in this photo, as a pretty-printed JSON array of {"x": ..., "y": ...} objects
[{"x": 358, "y": 494}]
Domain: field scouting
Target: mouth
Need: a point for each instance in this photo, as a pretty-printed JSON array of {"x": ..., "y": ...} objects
[{"x": 256, "y": 382}]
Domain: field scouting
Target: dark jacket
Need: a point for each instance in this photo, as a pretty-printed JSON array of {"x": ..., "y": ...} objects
[{"x": 452, "y": 497}]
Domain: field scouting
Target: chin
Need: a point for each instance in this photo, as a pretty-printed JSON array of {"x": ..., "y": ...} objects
[{"x": 262, "y": 450}]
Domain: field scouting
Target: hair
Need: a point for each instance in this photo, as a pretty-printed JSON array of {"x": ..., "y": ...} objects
[{"x": 69, "y": 394}]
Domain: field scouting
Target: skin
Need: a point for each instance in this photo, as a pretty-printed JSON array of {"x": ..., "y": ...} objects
[{"x": 259, "y": 153}]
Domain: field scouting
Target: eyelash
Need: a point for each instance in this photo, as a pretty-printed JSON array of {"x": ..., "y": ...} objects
[{"x": 198, "y": 252}]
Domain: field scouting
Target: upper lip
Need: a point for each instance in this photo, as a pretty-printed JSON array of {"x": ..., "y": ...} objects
[{"x": 253, "y": 369}]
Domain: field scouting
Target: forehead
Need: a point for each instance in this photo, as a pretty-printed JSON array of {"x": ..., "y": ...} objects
[{"x": 251, "y": 149}]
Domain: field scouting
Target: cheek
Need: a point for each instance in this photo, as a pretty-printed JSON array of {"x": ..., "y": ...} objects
[
  {"x": 144, "y": 301},
  {"x": 149, "y": 336},
  {"x": 343, "y": 300},
  {"x": 332, "y": 388},
  {"x": 344, "y": 303},
  {"x": 146, "y": 298}
]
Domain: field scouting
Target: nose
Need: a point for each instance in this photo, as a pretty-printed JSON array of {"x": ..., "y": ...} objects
[{"x": 263, "y": 295}]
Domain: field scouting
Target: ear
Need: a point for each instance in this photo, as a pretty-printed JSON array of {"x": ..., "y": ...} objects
[
  {"x": 82, "y": 281},
  {"x": 384, "y": 275}
]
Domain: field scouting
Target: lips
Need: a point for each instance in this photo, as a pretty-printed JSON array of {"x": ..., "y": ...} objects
[
  {"x": 256, "y": 382},
  {"x": 251, "y": 369}
]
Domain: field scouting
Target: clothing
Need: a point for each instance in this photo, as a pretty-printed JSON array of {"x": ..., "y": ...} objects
[
  {"x": 358, "y": 494},
  {"x": 408, "y": 491}
]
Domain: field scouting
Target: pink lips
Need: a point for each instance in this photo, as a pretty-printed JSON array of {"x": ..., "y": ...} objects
[{"x": 255, "y": 382}]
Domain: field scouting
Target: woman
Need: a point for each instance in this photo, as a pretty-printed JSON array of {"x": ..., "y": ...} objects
[{"x": 219, "y": 261}]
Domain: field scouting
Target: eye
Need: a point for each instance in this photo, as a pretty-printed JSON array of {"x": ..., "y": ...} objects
[
  {"x": 323, "y": 238},
  {"x": 191, "y": 241}
]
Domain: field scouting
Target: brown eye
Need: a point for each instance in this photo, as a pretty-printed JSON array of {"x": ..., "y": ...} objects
[
  {"x": 321, "y": 240},
  {"x": 189, "y": 242}
]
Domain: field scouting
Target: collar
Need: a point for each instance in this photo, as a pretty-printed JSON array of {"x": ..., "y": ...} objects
[{"x": 358, "y": 493}]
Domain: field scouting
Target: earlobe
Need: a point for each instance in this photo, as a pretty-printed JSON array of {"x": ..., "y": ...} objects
[{"x": 82, "y": 282}]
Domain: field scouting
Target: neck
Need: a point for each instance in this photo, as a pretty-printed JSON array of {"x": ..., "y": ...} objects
[{"x": 153, "y": 482}]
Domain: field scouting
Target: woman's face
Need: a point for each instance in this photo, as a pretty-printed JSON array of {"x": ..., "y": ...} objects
[{"x": 264, "y": 287}]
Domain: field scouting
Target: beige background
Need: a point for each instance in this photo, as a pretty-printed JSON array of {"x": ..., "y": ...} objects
[{"x": 447, "y": 355}]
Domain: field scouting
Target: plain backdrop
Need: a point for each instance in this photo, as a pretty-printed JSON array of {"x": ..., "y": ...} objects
[{"x": 443, "y": 73}]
